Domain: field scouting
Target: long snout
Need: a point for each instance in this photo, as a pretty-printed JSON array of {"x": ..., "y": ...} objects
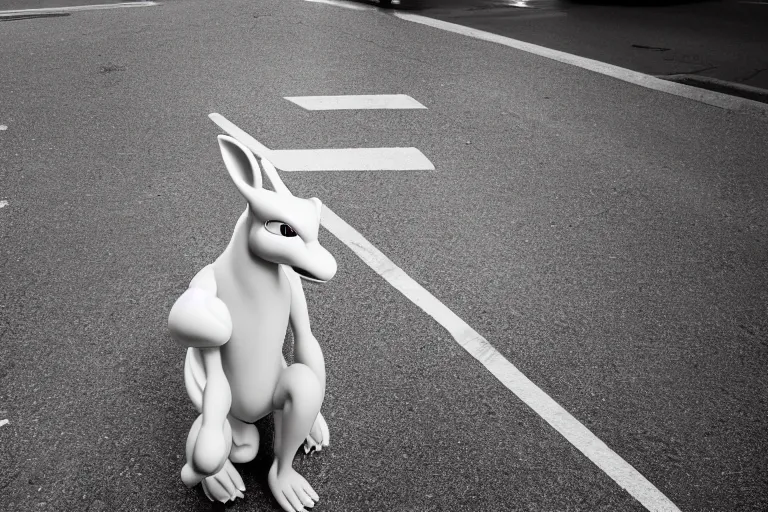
[{"x": 316, "y": 264}]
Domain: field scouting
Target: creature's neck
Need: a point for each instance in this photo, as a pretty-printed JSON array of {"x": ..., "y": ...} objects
[{"x": 247, "y": 271}]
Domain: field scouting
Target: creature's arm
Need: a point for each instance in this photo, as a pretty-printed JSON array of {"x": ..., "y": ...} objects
[
  {"x": 306, "y": 348},
  {"x": 200, "y": 320},
  {"x": 211, "y": 449}
]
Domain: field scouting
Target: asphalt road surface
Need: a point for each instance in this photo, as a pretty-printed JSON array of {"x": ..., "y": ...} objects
[{"x": 608, "y": 239}]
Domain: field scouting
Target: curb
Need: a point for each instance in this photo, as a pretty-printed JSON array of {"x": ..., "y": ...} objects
[
  {"x": 727, "y": 101},
  {"x": 723, "y": 86}
]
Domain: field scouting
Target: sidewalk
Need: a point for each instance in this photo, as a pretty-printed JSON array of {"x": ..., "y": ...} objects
[{"x": 717, "y": 45}]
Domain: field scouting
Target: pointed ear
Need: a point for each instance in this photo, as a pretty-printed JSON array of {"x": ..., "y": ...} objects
[
  {"x": 318, "y": 206},
  {"x": 241, "y": 164},
  {"x": 271, "y": 173}
]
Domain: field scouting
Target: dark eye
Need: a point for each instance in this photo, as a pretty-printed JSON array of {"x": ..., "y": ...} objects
[{"x": 279, "y": 228}]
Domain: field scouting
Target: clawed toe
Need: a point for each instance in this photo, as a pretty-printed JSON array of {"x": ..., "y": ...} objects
[
  {"x": 308, "y": 496},
  {"x": 224, "y": 486},
  {"x": 292, "y": 492}
]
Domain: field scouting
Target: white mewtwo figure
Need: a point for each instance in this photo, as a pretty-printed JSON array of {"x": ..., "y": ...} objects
[{"x": 233, "y": 319}]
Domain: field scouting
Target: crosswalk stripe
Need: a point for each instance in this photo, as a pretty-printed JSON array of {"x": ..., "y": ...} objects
[
  {"x": 351, "y": 159},
  {"x": 356, "y": 102},
  {"x": 74, "y": 8}
]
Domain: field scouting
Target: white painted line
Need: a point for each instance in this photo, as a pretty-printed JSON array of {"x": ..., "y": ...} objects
[
  {"x": 76, "y": 8},
  {"x": 3, "y": 127},
  {"x": 3, "y": 203},
  {"x": 341, "y": 3},
  {"x": 478, "y": 347},
  {"x": 650, "y": 82},
  {"x": 359, "y": 102},
  {"x": 351, "y": 159},
  {"x": 3, "y": 422}
]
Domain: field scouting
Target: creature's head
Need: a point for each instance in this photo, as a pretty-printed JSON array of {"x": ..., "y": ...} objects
[{"x": 282, "y": 228}]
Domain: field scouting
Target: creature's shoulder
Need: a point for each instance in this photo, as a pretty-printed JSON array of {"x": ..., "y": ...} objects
[
  {"x": 205, "y": 280},
  {"x": 198, "y": 318}
]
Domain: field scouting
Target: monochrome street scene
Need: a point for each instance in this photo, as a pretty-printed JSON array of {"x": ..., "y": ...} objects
[{"x": 382, "y": 255}]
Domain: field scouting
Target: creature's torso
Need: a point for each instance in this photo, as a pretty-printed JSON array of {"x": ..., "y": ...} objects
[{"x": 253, "y": 357}]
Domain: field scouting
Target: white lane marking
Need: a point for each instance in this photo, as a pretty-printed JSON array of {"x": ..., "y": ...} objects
[
  {"x": 478, "y": 347},
  {"x": 351, "y": 159},
  {"x": 76, "y": 8},
  {"x": 356, "y": 102},
  {"x": 341, "y": 3},
  {"x": 3, "y": 422},
  {"x": 627, "y": 75},
  {"x": 3, "y": 127},
  {"x": 3, "y": 203}
]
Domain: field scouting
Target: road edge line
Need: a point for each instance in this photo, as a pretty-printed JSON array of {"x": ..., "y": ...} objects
[{"x": 716, "y": 99}]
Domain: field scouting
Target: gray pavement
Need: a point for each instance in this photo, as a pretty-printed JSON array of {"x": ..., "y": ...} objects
[{"x": 609, "y": 240}]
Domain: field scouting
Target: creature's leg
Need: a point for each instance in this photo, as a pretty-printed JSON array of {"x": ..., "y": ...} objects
[
  {"x": 245, "y": 441},
  {"x": 297, "y": 402},
  {"x": 308, "y": 353},
  {"x": 319, "y": 436}
]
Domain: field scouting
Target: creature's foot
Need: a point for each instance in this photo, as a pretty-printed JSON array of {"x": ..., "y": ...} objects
[
  {"x": 290, "y": 489},
  {"x": 319, "y": 436},
  {"x": 225, "y": 485}
]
